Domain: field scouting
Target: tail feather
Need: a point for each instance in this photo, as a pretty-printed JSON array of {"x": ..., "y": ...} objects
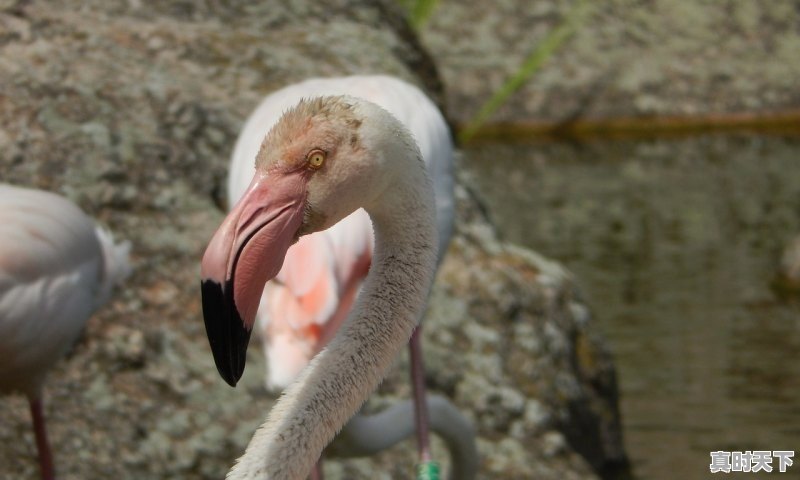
[{"x": 116, "y": 263}]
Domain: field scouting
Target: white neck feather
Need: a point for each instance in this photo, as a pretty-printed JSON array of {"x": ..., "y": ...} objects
[{"x": 338, "y": 380}]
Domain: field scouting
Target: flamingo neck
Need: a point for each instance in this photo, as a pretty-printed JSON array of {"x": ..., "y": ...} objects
[{"x": 338, "y": 380}]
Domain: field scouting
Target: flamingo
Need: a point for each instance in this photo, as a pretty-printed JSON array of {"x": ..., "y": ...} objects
[
  {"x": 325, "y": 158},
  {"x": 56, "y": 268},
  {"x": 304, "y": 306}
]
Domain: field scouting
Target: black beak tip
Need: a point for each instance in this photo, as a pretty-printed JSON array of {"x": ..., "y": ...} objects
[
  {"x": 231, "y": 377},
  {"x": 226, "y": 332}
]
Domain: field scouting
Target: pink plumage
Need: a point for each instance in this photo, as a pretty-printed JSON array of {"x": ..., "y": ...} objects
[{"x": 311, "y": 296}]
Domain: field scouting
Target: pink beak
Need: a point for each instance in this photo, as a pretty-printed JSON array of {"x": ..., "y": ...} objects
[{"x": 243, "y": 255}]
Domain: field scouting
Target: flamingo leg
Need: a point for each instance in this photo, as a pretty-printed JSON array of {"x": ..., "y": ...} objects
[
  {"x": 316, "y": 472},
  {"x": 42, "y": 445},
  {"x": 420, "y": 405}
]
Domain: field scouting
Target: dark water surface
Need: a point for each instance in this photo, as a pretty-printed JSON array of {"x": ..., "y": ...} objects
[{"x": 674, "y": 244}]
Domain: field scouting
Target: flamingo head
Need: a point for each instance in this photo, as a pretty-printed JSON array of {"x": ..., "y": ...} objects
[{"x": 324, "y": 159}]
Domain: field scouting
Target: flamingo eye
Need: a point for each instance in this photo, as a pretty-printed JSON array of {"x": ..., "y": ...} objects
[{"x": 316, "y": 158}]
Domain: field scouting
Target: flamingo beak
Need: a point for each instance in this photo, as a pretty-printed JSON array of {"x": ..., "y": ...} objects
[{"x": 243, "y": 255}]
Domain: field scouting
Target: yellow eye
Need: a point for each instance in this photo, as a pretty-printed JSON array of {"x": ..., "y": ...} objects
[{"x": 315, "y": 159}]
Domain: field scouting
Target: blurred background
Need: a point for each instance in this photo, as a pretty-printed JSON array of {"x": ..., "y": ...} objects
[
  {"x": 656, "y": 155},
  {"x": 648, "y": 150}
]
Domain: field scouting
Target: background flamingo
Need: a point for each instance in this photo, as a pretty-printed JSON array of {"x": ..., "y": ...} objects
[
  {"x": 56, "y": 268},
  {"x": 306, "y": 303},
  {"x": 324, "y": 159}
]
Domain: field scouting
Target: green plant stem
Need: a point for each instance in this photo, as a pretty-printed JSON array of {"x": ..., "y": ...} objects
[
  {"x": 537, "y": 58},
  {"x": 419, "y": 11}
]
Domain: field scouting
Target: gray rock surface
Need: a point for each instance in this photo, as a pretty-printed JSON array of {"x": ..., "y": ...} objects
[
  {"x": 628, "y": 58},
  {"x": 130, "y": 109}
]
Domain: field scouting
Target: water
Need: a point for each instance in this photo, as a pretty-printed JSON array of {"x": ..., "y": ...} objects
[{"x": 675, "y": 244}]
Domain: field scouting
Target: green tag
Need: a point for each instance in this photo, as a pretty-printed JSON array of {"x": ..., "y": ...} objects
[{"x": 428, "y": 471}]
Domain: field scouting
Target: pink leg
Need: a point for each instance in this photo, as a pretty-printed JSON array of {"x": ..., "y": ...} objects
[
  {"x": 316, "y": 473},
  {"x": 420, "y": 405},
  {"x": 42, "y": 445}
]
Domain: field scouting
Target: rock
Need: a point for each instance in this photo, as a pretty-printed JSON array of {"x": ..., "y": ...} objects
[
  {"x": 661, "y": 57},
  {"x": 530, "y": 360},
  {"x": 130, "y": 109}
]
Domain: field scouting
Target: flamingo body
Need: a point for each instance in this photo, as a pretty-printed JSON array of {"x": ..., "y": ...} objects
[
  {"x": 322, "y": 159},
  {"x": 56, "y": 268},
  {"x": 306, "y": 303}
]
